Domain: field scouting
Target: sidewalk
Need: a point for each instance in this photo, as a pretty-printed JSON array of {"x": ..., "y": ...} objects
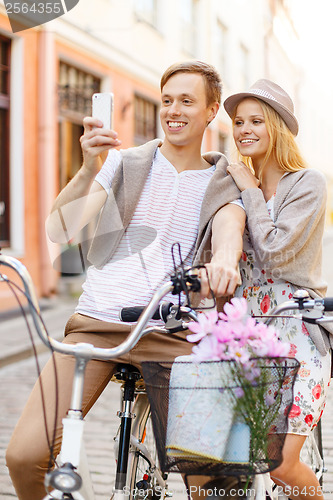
[{"x": 15, "y": 343}]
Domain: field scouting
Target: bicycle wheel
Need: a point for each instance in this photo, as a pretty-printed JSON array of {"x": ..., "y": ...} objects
[
  {"x": 312, "y": 452},
  {"x": 226, "y": 488},
  {"x": 143, "y": 484}
]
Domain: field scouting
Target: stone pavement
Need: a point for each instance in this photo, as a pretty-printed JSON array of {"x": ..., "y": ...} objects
[{"x": 18, "y": 373}]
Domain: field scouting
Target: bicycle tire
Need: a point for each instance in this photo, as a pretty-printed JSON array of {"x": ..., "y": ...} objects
[
  {"x": 226, "y": 488},
  {"x": 311, "y": 448},
  {"x": 140, "y": 466}
]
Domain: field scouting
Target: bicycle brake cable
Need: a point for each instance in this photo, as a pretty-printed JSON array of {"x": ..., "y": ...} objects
[
  {"x": 181, "y": 279},
  {"x": 201, "y": 266},
  {"x": 13, "y": 286}
]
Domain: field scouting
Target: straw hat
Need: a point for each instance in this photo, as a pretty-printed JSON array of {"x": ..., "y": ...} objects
[{"x": 271, "y": 93}]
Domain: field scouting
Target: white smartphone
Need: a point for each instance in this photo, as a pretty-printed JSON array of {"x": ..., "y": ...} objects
[{"x": 102, "y": 108}]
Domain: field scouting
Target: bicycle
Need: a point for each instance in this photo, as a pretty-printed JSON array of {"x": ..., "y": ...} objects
[
  {"x": 70, "y": 480},
  {"x": 138, "y": 475}
]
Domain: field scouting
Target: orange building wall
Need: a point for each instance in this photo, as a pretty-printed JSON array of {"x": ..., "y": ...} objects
[
  {"x": 31, "y": 236},
  {"x": 123, "y": 85}
]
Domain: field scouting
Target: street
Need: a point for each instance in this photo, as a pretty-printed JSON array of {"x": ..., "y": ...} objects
[
  {"x": 16, "y": 381},
  {"x": 18, "y": 377}
]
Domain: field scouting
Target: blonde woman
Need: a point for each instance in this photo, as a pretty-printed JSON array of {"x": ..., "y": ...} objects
[{"x": 285, "y": 208}]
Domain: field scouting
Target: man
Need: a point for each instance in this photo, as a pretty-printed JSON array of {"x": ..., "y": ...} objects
[{"x": 152, "y": 196}]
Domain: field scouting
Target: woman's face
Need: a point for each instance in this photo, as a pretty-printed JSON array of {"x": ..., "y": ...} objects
[{"x": 250, "y": 132}]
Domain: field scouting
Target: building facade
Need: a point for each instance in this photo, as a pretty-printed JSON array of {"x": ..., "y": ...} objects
[{"x": 49, "y": 73}]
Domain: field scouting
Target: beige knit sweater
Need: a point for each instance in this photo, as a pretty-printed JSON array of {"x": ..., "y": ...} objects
[
  {"x": 291, "y": 244},
  {"x": 126, "y": 190}
]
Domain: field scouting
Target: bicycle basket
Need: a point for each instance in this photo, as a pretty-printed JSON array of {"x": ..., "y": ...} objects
[{"x": 211, "y": 418}]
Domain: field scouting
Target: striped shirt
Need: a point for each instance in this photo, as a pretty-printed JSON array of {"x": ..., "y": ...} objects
[{"x": 168, "y": 212}]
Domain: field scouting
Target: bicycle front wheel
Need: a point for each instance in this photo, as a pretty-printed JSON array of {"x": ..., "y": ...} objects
[
  {"x": 145, "y": 478},
  {"x": 227, "y": 488}
]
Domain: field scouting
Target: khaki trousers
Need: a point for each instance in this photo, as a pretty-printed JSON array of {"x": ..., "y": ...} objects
[{"x": 27, "y": 455}]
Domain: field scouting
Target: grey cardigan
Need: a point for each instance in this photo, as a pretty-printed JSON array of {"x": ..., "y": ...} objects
[
  {"x": 292, "y": 242},
  {"x": 127, "y": 186}
]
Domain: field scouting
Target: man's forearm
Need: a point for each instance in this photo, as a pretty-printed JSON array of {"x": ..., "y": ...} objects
[
  {"x": 227, "y": 235},
  {"x": 65, "y": 219}
]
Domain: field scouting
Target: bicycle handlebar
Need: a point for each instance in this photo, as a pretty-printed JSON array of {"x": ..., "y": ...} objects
[
  {"x": 88, "y": 351},
  {"x": 310, "y": 310},
  {"x": 132, "y": 314},
  {"x": 328, "y": 304}
]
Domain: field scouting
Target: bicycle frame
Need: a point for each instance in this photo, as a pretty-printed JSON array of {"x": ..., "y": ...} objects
[
  {"x": 72, "y": 456},
  {"x": 72, "y": 451}
]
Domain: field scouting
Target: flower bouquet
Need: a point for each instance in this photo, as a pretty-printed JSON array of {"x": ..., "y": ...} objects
[{"x": 244, "y": 362}]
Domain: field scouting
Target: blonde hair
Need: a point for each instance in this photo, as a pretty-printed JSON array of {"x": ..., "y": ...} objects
[
  {"x": 213, "y": 83},
  {"x": 282, "y": 144}
]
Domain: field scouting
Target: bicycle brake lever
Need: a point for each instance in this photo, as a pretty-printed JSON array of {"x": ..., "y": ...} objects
[{"x": 174, "y": 322}]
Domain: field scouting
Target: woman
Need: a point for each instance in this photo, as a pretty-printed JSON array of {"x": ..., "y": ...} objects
[{"x": 285, "y": 208}]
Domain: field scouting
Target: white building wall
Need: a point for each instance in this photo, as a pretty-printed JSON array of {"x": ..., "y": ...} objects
[{"x": 255, "y": 44}]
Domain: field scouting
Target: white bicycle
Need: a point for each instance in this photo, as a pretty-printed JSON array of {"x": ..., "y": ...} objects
[{"x": 138, "y": 474}]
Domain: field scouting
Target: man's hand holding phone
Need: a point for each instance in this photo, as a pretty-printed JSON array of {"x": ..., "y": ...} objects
[{"x": 98, "y": 137}]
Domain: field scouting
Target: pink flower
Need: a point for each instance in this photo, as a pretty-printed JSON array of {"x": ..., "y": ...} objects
[
  {"x": 235, "y": 310},
  {"x": 236, "y": 352},
  {"x": 208, "y": 349},
  {"x": 269, "y": 399},
  {"x": 265, "y": 304},
  {"x": 239, "y": 393},
  {"x": 233, "y": 335},
  {"x": 223, "y": 331},
  {"x": 203, "y": 326},
  {"x": 316, "y": 391},
  {"x": 251, "y": 373}
]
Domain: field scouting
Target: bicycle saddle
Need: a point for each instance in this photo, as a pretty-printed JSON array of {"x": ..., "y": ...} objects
[{"x": 125, "y": 371}]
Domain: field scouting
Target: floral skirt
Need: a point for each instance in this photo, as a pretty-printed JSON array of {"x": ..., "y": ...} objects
[{"x": 314, "y": 375}]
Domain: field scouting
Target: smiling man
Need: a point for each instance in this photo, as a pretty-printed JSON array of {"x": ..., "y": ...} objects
[{"x": 161, "y": 193}]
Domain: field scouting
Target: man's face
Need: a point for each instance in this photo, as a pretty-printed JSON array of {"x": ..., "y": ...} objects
[{"x": 184, "y": 111}]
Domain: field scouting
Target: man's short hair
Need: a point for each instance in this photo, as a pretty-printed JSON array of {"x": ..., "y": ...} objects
[{"x": 212, "y": 79}]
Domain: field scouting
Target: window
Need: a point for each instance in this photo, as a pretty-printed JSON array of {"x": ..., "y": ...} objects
[
  {"x": 222, "y": 48},
  {"x": 76, "y": 88},
  {"x": 244, "y": 68},
  {"x": 4, "y": 142},
  {"x": 75, "y": 91},
  {"x": 145, "y": 120},
  {"x": 222, "y": 143},
  {"x": 146, "y": 10},
  {"x": 189, "y": 24}
]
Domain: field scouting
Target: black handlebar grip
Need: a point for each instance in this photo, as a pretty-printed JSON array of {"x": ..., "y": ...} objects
[
  {"x": 132, "y": 314},
  {"x": 328, "y": 303}
]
